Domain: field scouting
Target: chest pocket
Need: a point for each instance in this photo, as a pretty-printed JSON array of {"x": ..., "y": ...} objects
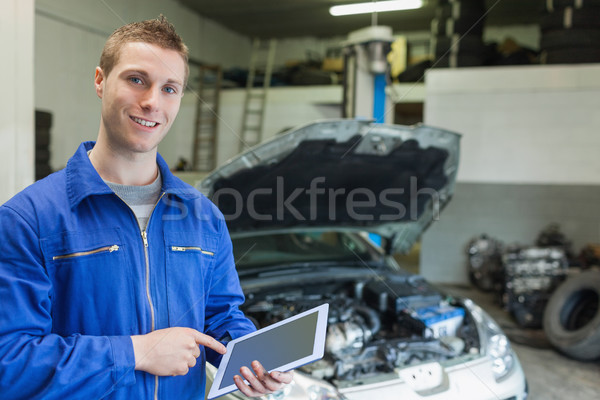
[
  {"x": 190, "y": 258},
  {"x": 90, "y": 280}
]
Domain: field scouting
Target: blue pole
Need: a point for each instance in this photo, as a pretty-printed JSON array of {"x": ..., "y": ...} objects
[{"x": 379, "y": 98}]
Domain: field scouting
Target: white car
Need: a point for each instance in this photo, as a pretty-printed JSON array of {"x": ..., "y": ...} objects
[{"x": 315, "y": 215}]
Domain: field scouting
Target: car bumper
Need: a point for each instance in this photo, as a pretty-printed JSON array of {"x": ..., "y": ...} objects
[{"x": 472, "y": 380}]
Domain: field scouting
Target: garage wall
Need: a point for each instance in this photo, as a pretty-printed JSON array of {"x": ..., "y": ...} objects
[
  {"x": 69, "y": 37},
  {"x": 533, "y": 124},
  {"x": 528, "y": 157},
  {"x": 512, "y": 213},
  {"x": 16, "y": 102},
  {"x": 287, "y": 107}
]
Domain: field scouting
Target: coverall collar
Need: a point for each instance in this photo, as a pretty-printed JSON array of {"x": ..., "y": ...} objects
[{"x": 83, "y": 180}]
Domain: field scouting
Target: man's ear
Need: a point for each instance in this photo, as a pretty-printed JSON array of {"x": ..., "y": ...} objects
[{"x": 99, "y": 81}]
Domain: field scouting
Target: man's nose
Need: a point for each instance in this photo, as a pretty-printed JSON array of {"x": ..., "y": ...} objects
[{"x": 150, "y": 99}]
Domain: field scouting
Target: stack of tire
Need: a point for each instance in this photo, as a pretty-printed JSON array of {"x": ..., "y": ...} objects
[
  {"x": 572, "y": 316},
  {"x": 570, "y": 32},
  {"x": 457, "y": 32},
  {"x": 43, "y": 123}
]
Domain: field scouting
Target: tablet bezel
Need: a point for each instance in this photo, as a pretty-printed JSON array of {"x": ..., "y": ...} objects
[{"x": 317, "y": 353}]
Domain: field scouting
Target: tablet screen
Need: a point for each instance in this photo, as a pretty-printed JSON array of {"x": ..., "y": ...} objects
[
  {"x": 282, "y": 346},
  {"x": 277, "y": 347}
]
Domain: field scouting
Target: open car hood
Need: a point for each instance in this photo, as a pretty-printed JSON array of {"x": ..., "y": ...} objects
[{"x": 390, "y": 180}]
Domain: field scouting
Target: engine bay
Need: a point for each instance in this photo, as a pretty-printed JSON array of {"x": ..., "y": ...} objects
[{"x": 375, "y": 325}]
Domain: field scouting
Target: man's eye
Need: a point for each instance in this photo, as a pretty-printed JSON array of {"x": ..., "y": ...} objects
[
  {"x": 136, "y": 80},
  {"x": 169, "y": 90}
]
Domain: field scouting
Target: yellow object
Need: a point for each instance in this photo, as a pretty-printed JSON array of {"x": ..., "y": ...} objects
[
  {"x": 333, "y": 64},
  {"x": 397, "y": 56}
]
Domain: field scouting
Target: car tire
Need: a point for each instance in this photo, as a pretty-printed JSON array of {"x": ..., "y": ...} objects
[
  {"x": 570, "y": 56},
  {"x": 42, "y": 170},
  {"x": 43, "y": 119},
  {"x": 450, "y": 26},
  {"x": 572, "y": 317},
  {"x": 525, "y": 318},
  {"x": 42, "y": 138},
  {"x": 42, "y": 156},
  {"x": 482, "y": 281},
  {"x": 570, "y": 38},
  {"x": 472, "y": 45},
  {"x": 553, "y": 5},
  {"x": 456, "y": 61},
  {"x": 569, "y": 18}
]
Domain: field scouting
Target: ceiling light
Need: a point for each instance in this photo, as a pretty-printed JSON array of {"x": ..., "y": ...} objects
[{"x": 375, "y": 6}]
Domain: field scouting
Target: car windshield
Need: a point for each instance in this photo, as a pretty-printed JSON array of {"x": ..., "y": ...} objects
[{"x": 252, "y": 252}]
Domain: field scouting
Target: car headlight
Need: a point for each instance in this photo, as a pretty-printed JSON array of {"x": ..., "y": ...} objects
[{"x": 493, "y": 341}]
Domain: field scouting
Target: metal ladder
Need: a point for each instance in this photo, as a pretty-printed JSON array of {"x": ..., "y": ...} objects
[
  {"x": 256, "y": 97},
  {"x": 204, "y": 155}
]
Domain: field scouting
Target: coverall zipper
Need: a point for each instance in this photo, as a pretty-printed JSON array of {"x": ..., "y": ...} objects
[
  {"x": 147, "y": 259},
  {"x": 110, "y": 249},
  {"x": 192, "y": 248}
]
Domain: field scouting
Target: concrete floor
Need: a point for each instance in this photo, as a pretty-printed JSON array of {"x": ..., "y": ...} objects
[{"x": 550, "y": 375}]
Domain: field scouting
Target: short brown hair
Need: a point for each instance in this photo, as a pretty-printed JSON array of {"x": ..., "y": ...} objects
[{"x": 157, "y": 31}]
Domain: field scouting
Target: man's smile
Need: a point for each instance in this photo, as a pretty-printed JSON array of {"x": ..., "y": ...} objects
[{"x": 144, "y": 122}]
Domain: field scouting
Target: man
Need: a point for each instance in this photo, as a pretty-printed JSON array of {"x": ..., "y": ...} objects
[{"x": 117, "y": 280}]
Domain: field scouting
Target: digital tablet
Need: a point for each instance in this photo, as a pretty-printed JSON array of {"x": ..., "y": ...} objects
[{"x": 283, "y": 346}]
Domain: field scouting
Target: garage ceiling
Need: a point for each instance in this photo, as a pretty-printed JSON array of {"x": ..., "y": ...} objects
[{"x": 294, "y": 18}]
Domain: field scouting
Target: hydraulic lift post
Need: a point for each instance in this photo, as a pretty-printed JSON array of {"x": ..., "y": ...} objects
[{"x": 365, "y": 74}]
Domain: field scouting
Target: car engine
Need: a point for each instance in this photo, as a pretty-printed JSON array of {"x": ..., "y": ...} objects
[
  {"x": 373, "y": 325},
  {"x": 532, "y": 274}
]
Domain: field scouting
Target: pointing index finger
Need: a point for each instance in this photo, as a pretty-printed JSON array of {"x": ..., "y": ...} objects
[{"x": 210, "y": 342}]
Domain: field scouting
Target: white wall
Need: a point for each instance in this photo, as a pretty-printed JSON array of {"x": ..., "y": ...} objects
[
  {"x": 16, "y": 102},
  {"x": 529, "y": 124},
  {"x": 287, "y": 107},
  {"x": 69, "y": 38},
  {"x": 529, "y": 157}
]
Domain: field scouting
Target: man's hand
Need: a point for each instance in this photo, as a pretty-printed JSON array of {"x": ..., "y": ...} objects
[
  {"x": 171, "y": 351},
  {"x": 261, "y": 382}
]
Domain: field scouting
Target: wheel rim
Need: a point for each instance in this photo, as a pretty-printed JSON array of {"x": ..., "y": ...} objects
[{"x": 580, "y": 308}]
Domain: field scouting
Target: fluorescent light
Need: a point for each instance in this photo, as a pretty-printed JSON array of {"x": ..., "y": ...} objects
[{"x": 375, "y": 6}]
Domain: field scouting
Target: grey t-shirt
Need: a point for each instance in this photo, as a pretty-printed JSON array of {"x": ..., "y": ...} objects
[{"x": 141, "y": 199}]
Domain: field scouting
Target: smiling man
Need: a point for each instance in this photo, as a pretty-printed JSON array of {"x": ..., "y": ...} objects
[{"x": 107, "y": 290}]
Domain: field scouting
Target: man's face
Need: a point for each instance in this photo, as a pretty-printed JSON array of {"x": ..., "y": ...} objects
[{"x": 140, "y": 97}]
